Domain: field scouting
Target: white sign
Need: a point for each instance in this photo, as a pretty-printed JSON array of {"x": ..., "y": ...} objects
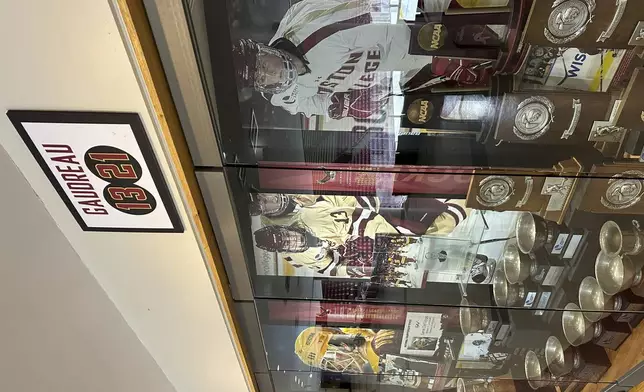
[
  {"x": 422, "y": 333},
  {"x": 103, "y": 167},
  {"x": 475, "y": 347}
]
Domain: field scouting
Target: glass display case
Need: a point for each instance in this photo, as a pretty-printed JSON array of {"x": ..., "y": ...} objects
[{"x": 430, "y": 194}]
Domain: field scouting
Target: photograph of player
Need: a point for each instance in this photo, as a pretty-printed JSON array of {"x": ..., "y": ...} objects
[
  {"x": 335, "y": 235},
  {"x": 363, "y": 351},
  {"x": 423, "y": 343},
  {"x": 350, "y": 350},
  {"x": 329, "y": 58}
]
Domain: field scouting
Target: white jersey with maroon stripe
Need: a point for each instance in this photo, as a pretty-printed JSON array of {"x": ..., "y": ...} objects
[{"x": 344, "y": 51}]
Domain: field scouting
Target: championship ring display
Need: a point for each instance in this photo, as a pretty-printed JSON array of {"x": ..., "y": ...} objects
[
  {"x": 568, "y": 20},
  {"x": 624, "y": 190},
  {"x": 533, "y": 118},
  {"x": 495, "y": 190}
]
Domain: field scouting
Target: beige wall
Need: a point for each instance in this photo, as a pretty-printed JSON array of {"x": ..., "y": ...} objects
[
  {"x": 59, "y": 332},
  {"x": 69, "y": 55}
]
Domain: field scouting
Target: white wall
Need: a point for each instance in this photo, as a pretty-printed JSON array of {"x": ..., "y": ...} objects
[{"x": 68, "y": 55}]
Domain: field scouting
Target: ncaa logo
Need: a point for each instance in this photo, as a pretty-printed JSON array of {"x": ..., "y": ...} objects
[
  {"x": 420, "y": 111},
  {"x": 432, "y": 36}
]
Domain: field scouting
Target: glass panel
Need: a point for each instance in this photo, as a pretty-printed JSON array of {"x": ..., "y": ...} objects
[
  {"x": 426, "y": 83},
  {"x": 322, "y": 381},
  {"x": 339, "y": 344},
  {"x": 321, "y": 234}
]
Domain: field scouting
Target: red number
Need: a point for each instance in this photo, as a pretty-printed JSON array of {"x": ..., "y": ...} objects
[
  {"x": 133, "y": 206},
  {"x": 119, "y": 193},
  {"x": 120, "y": 171},
  {"x": 108, "y": 156}
]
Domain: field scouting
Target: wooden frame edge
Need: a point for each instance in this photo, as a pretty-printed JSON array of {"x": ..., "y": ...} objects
[{"x": 148, "y": 61}]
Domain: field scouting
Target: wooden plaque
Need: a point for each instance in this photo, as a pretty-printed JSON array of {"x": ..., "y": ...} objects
[
  {"x": 550, "y": 118},
  {"x": 583, "y": 23},
  {"x": 631, "y": 113},
  {"x": 615, "y": 189},
  {"x": 524, "y": 196}
]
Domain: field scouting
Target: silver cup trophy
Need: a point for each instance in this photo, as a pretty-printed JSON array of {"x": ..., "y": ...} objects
[
  {"x": 533, "y": 232},
  {"x": 576, "y": 328},
  {"x": 616, "y": 273},
  {"x": 536, "y": 372},
  {"x": 593, "y": 301},
  {"x": 505, "y": 293},
  {"x": 473, "y": 319},
  {"x": 560, "y": 360},
  {"x": 616, "y": 240},
  {"x": 516, "y": 265}
]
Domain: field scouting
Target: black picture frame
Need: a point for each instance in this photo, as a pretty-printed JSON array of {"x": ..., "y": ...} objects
[{"x": 18, "y": 117}]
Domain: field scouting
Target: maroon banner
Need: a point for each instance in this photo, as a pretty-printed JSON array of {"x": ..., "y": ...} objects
[
  {"x": 353, "y": 313},
  {"x": 330, "y": 312},
  {"x": 401, "y": 180}
]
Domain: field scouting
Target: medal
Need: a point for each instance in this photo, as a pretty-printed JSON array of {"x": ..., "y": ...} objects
[
  {"x": 568, "y": 19},
  {"x": 533, "y": 118},
  {"x": 495, "y": 190},
  {"x": 624, "y": 190}
]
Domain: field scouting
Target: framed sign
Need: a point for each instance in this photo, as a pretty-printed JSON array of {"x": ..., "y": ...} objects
[{"x": 103, "y": 167}]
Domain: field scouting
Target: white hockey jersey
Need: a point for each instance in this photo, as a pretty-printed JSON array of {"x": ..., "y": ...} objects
[{"x": 344, "y": 51}]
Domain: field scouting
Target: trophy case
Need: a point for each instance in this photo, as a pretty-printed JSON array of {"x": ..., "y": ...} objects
[{"x": 434, "y": 194}]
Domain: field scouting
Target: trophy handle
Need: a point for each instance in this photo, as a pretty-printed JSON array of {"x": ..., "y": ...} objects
[
  {"x": 636, "y": 225},
  {"x": 576, "y": 105},
  {"x": 617, "y": 17},
  {"x": 529, "y": 182}
]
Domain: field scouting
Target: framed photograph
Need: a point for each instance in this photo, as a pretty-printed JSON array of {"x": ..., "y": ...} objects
[
  {"x": 422, "y": 334},
  {"x": 103, "y": 167}
]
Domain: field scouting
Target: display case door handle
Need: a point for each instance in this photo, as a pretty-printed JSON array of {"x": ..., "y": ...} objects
[
  {"x": 529, "y": 182},
  {"x": 619, "y": 12},
  {"x": 576, "y": 105}
]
